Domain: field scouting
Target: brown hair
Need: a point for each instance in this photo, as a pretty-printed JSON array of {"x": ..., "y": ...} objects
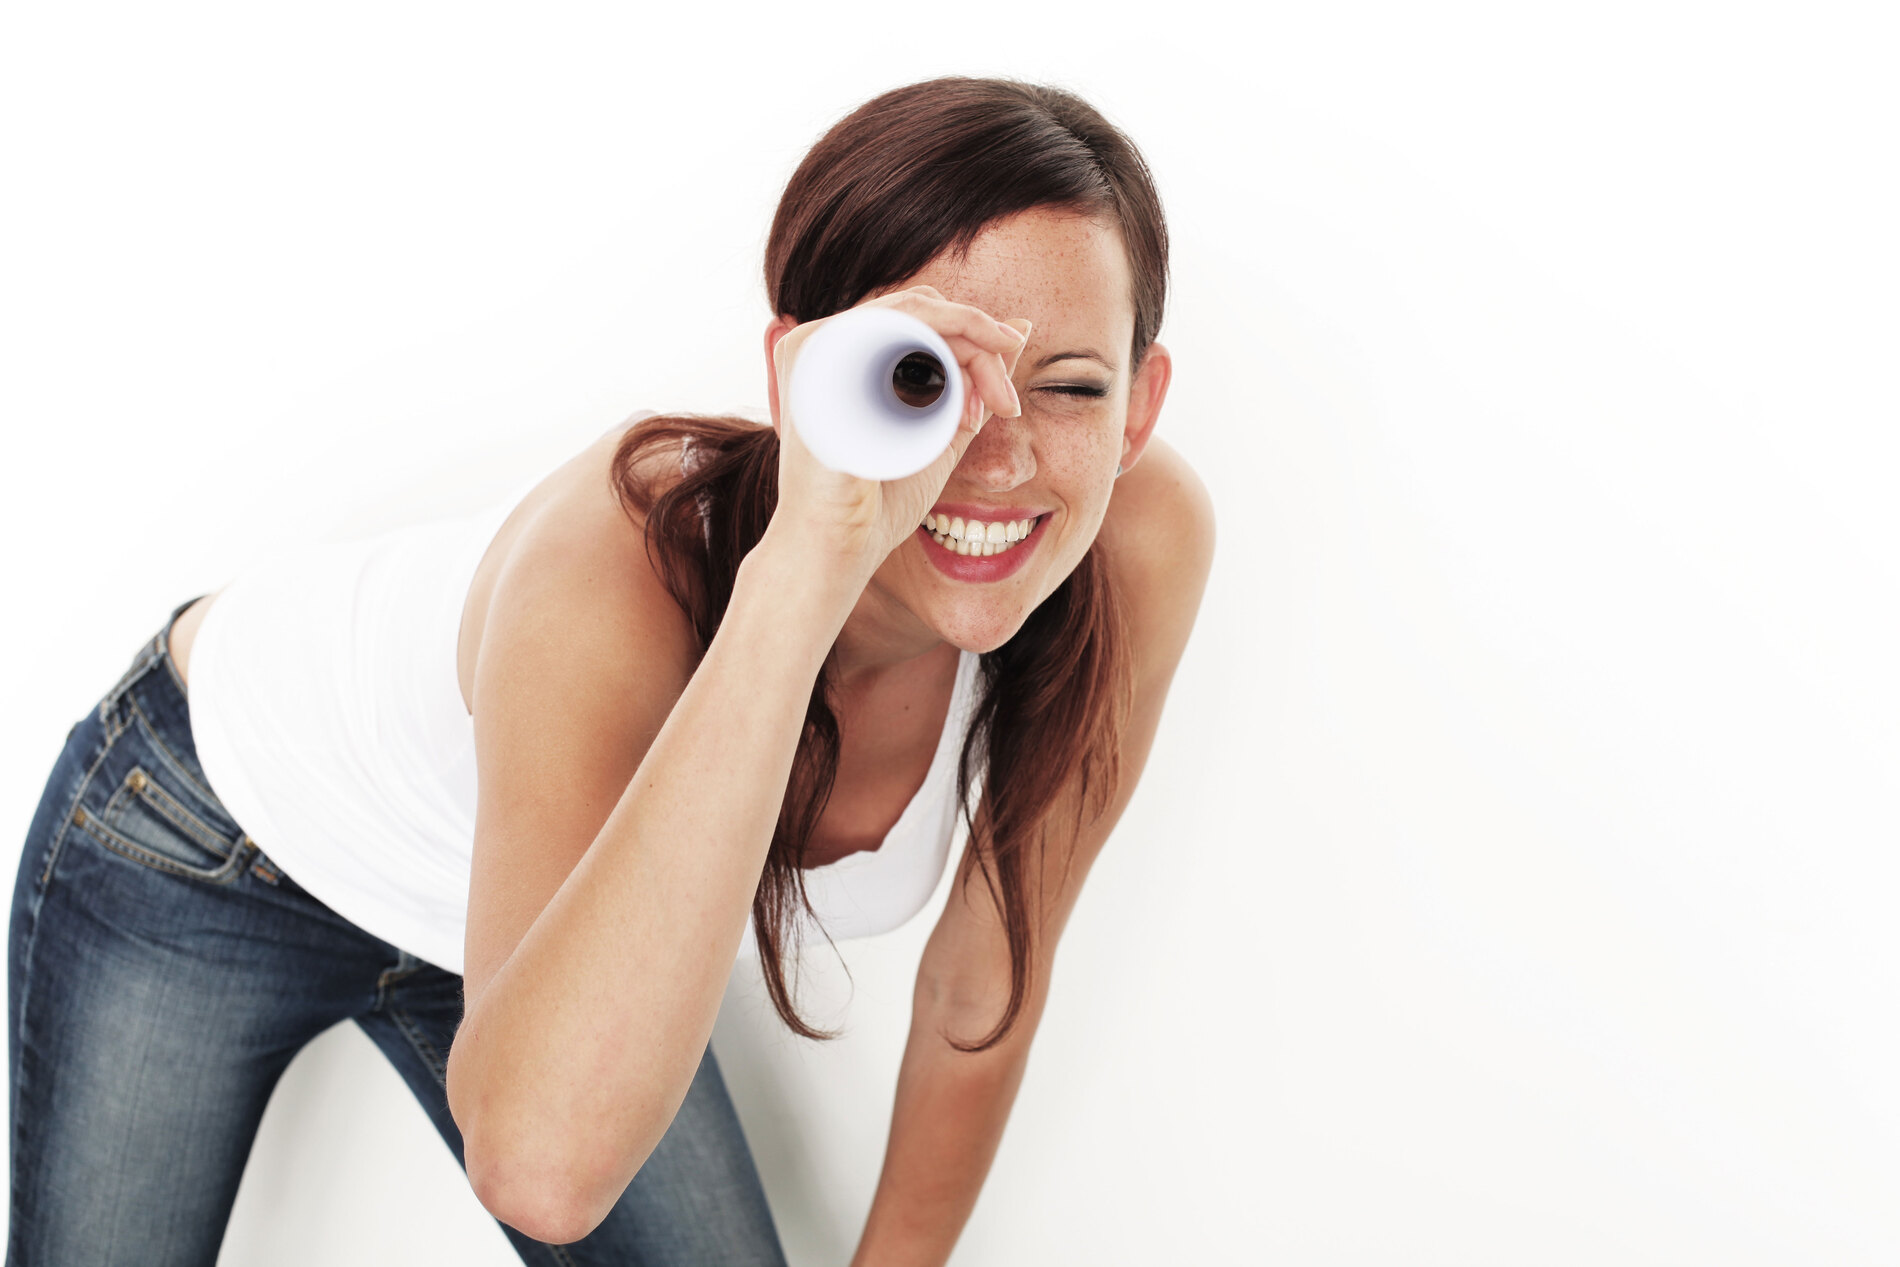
[{"x": 907, "y": 175}]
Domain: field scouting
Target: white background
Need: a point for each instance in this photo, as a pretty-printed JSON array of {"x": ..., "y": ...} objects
[{"x": 1513, "y": 879}]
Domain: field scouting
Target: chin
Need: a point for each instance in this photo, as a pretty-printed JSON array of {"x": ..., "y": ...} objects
[{"x": 983, "y": 632}]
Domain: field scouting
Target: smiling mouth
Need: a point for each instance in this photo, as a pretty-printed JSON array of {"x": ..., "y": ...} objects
[{"x": 977, "y": 540}]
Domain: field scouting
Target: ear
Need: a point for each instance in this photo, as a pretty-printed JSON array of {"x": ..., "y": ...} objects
[
  {"x": 1145, "y": 395},
  {"x": 774, "y": 331}
]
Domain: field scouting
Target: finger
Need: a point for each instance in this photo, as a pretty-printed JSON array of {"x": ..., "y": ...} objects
[
  {"x": 975, "y": 414},
  {"x": 999, "y": 393},
  {"x": 992, "y": 375},
  {"x": 964, "y": 349},
  {"x": 974, "y": 418},
  {"x": 963, "y": 320},
  {"x": 1022, "y": 325}
]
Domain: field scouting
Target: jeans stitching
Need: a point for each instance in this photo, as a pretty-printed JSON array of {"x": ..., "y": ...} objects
[
  {"x": 114, "y": 718},
  {"x": 167, "y": 751},
  {"x": 225, "y": 873},
  {"x": 424, "y": 1048},
  {"x": 16, "y": 1120},
  {"x": 72, "y": 806},
  {"x": 95, "y": 826},
  {"x": 15, "y": 1196},
  {"x": 38, "y": 904},
  {"x": 160, "y": 801},
  {"x": 141, "y": 661},
  {"x": 390, "y": 976}
]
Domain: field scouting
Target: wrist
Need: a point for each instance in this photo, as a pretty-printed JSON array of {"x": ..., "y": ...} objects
[{"x": 808, "y": 593}]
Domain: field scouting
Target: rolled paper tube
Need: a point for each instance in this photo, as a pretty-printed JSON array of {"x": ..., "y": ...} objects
[{"x": 868, "y": 400}]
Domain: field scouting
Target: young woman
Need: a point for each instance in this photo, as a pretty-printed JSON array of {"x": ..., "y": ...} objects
[{"x": 512, "y": 791}]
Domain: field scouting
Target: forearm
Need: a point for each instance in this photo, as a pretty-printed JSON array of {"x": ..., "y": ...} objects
[
  {"x": 586, "y": 1040},
  {"x": 947, "y": 1123}
]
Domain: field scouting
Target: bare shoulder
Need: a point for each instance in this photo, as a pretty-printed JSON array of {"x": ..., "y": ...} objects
[
  {"x": 1162, "y": 491},
  {"x": 570, "y": 552},
  {"x": 569, "y": 594},
  {"x": 1159, "y": 537},
  {"x": 578, "y": 499},
  {"x": 569, "y": 586}
]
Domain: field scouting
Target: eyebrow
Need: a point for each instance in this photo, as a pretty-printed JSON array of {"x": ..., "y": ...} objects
[{"x": 1080, "y": 354}]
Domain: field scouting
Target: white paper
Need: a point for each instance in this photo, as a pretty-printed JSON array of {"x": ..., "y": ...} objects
[{"x": 847, "y": 411}]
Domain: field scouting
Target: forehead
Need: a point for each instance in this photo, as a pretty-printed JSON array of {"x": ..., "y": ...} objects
[{"x": 1063, "y": 271}]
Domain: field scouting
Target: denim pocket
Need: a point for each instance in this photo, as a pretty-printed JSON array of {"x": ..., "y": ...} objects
[{"x": 144, "y": 822}]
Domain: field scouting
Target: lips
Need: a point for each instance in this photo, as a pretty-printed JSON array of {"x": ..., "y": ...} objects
[{"x": 977, "y": 568}]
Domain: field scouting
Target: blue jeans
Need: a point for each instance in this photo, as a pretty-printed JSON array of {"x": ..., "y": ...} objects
[{"x": 162, "y": 972}]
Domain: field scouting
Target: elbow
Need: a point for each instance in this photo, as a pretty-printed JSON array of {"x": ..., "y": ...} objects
[
  {"x": 517, "y": 1178},
  {"x": 543, "y": 1216},
  {"x": 544, "y": 1201},
  {"x": 547, "y": 1188},
  {"x": 552, "y": 1182}
]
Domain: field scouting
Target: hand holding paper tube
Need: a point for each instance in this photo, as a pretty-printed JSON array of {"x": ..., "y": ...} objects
[
  {"x": 880, "y": 401},
  {"x": 876, "y": 394}
]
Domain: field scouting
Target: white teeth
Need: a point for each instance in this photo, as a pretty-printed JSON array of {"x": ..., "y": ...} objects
[
  {"x": 999, "y": 533},
  {"x": 975, "y": 539}
]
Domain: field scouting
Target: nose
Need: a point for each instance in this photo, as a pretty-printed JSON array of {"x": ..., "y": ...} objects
[{"x": 1001, "y": 457}]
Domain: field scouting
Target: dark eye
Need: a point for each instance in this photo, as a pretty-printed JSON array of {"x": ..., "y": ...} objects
[
  {"x": 1069, "y": 389},
  {"x": 918, "y": 380}
]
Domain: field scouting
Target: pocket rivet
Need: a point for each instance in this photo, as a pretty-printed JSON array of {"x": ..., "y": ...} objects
[
  {"x": 138, "y": 780},
  {"x": 79, "y": 818}
]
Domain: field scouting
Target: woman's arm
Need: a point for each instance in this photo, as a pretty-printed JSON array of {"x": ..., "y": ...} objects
[
  {"x": 597, "y": 958},
  {"x": 952, "y": 1106},
  {"x": 950, "y": 1112},
  {"x": 582, "y": 1033}
]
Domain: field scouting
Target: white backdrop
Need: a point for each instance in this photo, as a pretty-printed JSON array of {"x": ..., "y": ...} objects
[{"x": 1513, "y": 878}]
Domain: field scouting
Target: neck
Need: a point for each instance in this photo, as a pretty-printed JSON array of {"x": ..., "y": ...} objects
[{"x": 880, "y": 635}]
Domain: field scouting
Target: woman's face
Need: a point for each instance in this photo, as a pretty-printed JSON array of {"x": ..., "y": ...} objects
[{"x": 1069, "y": 276}]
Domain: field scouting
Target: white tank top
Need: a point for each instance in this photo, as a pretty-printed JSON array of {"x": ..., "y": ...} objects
[{"x": 328, "y": 719}]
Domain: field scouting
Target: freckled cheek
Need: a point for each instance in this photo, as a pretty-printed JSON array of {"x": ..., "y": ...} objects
[
  {"x": 1076, "y": 481},
  {"x": 1074, "y": 445},
  {"x": 1079, "y": 462}
]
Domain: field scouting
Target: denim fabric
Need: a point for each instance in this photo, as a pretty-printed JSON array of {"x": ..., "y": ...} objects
[{"x": 162, "y": 972}]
